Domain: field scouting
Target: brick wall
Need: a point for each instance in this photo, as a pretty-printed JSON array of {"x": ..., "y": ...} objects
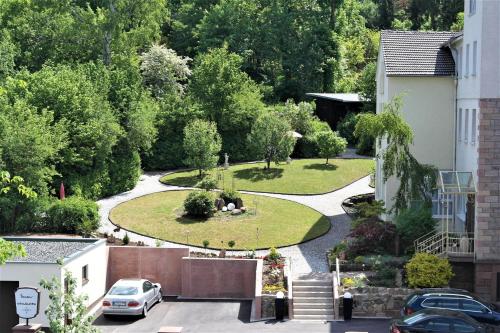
[{"x": 487, "y": 228}]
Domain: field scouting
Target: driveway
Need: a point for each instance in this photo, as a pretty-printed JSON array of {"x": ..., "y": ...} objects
[{"x": 225, "y": 316}]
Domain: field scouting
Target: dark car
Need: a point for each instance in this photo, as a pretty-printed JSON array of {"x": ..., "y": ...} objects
[
  {"x": 437, "y": 321},
  {"x": 453, "y": 299}
]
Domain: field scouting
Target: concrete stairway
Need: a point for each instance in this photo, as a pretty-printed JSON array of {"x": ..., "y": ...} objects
[{"x": 313, "y": 297}]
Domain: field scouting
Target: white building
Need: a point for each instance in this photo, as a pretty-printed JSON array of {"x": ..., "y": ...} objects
[
  {"x": 452, "y": 102},
  {"x": 85, "y": 258}
]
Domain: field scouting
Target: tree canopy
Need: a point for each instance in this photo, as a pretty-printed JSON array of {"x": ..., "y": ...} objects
[{"x": 93, "y": 92}]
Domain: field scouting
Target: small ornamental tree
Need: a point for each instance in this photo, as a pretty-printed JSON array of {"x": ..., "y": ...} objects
[
  {"x": 426, "y": 270},
  {"x": 67, "y": 304},
  {"x": 202, "y": 145},
  {"x": 271, "y": 138},
  {"x": 330, "y": 144},
  {"x": 416, "y": 181}
]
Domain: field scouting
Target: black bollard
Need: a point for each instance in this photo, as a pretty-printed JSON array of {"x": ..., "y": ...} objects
[
  {"x": 279, "y": 306},
  {"x": 348, "y": 303}
]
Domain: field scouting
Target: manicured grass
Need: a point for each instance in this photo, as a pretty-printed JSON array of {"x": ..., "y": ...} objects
[
  {"x": 280, "y": 222},
  {"x": 308, "y": 176}
]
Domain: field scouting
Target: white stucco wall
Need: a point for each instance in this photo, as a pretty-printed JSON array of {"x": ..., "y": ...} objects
[
  {"x": 428, "y": 107},
  {"x": 97, "y": 259},
  {"x": 30, "y": 275}
]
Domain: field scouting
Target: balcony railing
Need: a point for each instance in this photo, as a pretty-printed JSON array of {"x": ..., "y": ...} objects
[{"x": 446, "y": 243}]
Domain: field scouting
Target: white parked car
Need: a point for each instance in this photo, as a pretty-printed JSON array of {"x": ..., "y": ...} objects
[{"x": 131, "y": 297}]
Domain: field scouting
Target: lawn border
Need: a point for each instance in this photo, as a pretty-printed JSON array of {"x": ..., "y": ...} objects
[
  {"x": 280, "y": 193},
  {"x": 213, "y": 248}
]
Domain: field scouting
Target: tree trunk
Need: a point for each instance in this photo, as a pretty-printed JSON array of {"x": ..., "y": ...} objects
[
  {"x": 108, "y": 36},
  {"x": 199, "y": 173},
  {"x": 268, "y": 161},
  {"x": 327, "y": 160}
]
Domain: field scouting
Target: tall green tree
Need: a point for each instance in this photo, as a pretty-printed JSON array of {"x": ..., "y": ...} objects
[
  {"x": 202, "y": 145},
  {"x": 271, "y": 138},
  {"x": 228, "y": 97}
]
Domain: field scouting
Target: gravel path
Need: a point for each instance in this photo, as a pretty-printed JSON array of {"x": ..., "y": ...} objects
[{"x": 306, "y": 257}]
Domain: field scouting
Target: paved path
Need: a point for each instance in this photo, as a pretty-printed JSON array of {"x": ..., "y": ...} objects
[{"x": 306, "y": 257}]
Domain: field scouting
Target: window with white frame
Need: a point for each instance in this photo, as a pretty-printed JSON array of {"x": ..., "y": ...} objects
[
  {"x": 474, "y": 58},
  {"x": 466, "y": 125},
  {"x": 473, "y": 127},
  {"x": 442, "y": 205},
  {"x": 472, "y": 7},
  {"x": 459, "y": 130},
  {"x": 467, "y": 49}
]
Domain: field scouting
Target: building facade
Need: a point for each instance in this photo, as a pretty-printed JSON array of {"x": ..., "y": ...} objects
[
  {"x": 85, "y": 258},
  {"x": 465, "y": 145}
]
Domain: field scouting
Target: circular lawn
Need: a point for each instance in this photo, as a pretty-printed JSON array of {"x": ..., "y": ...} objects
[
  {"x": 268, "y": 222},
  {"x": 305, "y": 176}
]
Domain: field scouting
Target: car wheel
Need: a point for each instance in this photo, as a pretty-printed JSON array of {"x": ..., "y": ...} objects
[
  {"x": 160, "y": 298},
  {"x": 145, "y": 310}
]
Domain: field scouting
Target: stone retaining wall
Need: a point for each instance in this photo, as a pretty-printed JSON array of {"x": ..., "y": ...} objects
[{"x": 379, "y": 301}]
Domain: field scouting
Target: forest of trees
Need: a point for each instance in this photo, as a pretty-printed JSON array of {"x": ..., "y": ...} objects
[{"x": 92, "y": 92}]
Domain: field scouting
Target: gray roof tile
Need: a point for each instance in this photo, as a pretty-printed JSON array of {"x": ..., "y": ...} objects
[
  {"x": 417, "y": 53},
  {"x": 47, "y": 250}
]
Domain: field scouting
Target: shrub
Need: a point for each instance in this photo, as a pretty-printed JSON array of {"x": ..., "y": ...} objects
[
  {"x": 273, "y": 254},
  {"x": 384, "y": 276},
  {"x": 273, "y": 288},
  {"x": 346, "y": 128},
  {"x": 348, "y": 282},
  {"x": 230, "y": 196},
  {"x": 199, "y": 204},
  {"x": 73, "y": 215},
  {"x": 369, "y": 209},
  {"x": 337, "y": 250},
  {"x": 359, "y": 260},
  {"x": 372, "y": 236},
  {"x": 412, "y": 224},
  {"x": 208, "y": 183},
  {"x": 426, "y": 270},
  {"x": 126, "y": 239},
  {"x": 206, "y": 243}
]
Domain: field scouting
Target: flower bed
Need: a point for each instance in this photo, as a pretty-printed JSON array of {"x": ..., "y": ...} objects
[{"x": 273, "y": 273}]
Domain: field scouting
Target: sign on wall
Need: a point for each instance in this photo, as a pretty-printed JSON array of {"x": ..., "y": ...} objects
[{"x": 27, "y": 302}]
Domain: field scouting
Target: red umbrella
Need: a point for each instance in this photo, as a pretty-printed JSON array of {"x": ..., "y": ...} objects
[{"x": 61, "y": 192}]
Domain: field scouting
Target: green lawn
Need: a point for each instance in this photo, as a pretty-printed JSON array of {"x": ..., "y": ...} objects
[
  {"x": 307, "y": 176},
  {"x": 280, "y": 222}
]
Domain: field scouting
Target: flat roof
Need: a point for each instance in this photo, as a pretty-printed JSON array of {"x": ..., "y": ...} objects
[
  {"x": 49, "y": 250},
  {"x": 346, "y": 98}
]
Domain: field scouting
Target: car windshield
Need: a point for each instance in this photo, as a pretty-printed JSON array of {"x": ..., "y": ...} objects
[
  {"x": 123, "y": 290},
  {"x": 410, "y": 320}
]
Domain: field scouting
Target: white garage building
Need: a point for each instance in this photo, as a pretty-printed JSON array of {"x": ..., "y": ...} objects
[{"x": 85, "y": 258}]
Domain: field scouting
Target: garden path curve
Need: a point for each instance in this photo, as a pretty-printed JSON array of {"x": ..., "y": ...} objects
[{"x": 306, "y": 257}]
